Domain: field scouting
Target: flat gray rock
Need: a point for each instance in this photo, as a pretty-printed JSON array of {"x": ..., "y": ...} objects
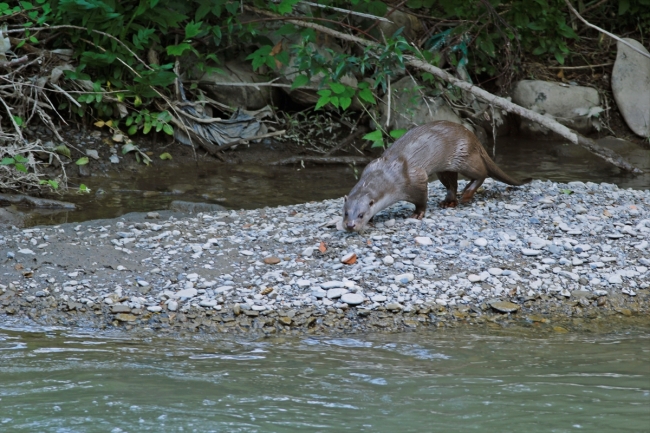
[
  {"x": 504, "y": 306},
  {"x": 352, "y": 298}
]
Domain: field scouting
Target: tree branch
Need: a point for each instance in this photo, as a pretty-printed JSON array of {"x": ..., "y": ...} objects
[{"x": 503, "y": 103}]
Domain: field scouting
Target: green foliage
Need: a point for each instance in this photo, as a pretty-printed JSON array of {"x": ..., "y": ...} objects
[
  {"x": 51, "y": 183},
  {"x": 17, "y": 161},
  {"x": 146, "y": 121}
]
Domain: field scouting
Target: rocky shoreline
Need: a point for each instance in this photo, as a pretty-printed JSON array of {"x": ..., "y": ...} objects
[{"x": 545, "y": 254}]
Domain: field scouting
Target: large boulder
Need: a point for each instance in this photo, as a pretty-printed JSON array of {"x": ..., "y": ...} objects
[
  {"x": 574, "y": 106},
  {"x": 219, "y": 85},
  {"x": 631, "y": 86},
  {"x": 409, "y": 107},
  {"x": 400, "y": 20}
]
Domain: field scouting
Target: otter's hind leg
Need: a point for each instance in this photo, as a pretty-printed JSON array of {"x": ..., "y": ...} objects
[
  {"x": 470, "y": 189},
  {"x": 450, "y": 181}
]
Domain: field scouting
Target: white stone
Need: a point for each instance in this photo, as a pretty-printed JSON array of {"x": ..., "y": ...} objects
[
  {"x": 172, "y": 305},
  {"x": 143, "y": 283},
  {"x": 186, "y": 293},
  {"x": 404, "y": 278},
  {"x": 347, "y": 257},
  {"x": 481, "y": 242},
  {"x": 388, "y": 260},
  {"x": 208, "y": 303},
  {"x": 423, "y": 240},
  {"x": 307, "y": 252},
  {"x": 303, "y": 283},
  {"x": 495, "y": 271},
  {"x": 332, "y": 285},
  {"x": 336, "y": 293},
  {"x": 155, "y": 308},
  {"x": 352, "y": 298},
  {"x": 379, "y": 298},
  {"x": 530, "y": 252},
  {"x": 615, "y": 279}
]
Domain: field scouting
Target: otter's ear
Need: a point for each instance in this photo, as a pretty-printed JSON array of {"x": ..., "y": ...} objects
[
  {"x": 346, "y": 199},
  {"x": 372, "y": 202}
]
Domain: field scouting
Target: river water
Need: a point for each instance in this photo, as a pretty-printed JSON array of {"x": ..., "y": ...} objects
[
  {"x": 249, "y": 186},
  {"x": 501, "y": 380}
]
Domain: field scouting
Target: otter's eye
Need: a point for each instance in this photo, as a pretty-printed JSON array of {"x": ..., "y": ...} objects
[
  {"x": 360, "y": 215},
  {"x": 346, "y": 214}
]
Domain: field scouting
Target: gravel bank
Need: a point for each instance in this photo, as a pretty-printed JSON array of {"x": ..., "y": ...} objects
[{"x": 541, "y": 254}]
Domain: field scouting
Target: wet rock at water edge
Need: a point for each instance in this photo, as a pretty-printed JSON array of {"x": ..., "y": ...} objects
[{"x": 504, "y": 306}]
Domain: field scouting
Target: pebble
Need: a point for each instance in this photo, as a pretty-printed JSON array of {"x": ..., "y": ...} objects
[
  {"x": 481, "y": 242},
  {"x": 504, "y": 306},
  {"x": 547, "y": 245},
  {"x": 404, "y": 278},
  {"x": 336, "y": 293},
  {"x": 351, "y": 298}
]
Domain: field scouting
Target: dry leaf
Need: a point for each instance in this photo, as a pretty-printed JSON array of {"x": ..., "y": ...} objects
[
  {"x": 606, "y": 213},
  {"x": 352, "y": 260},
  {"x": 266, "y": 291},
  {"x": 322, "y": 247},
  {"x": 18, "y": 267}
]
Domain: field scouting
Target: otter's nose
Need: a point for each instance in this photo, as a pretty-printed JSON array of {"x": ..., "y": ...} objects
[{"x": 349, "y": 226}]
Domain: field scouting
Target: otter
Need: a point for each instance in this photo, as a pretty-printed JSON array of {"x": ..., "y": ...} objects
[{"x": 402, "y": 172}]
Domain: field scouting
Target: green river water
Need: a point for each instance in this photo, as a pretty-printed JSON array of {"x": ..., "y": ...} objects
[{"x": 511, "y": 380}]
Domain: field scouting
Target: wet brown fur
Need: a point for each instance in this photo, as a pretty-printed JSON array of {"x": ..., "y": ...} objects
[{"x": 402, "y": 172}]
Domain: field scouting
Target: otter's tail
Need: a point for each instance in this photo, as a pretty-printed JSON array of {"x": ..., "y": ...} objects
[{"x": 496, "y": 173}]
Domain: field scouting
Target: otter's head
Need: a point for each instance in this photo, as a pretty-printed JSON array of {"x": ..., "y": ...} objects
[{"x": 357, "y": 211}]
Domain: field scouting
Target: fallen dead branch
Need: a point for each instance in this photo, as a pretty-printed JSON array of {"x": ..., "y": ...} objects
[{"x": 503, "y": 103}]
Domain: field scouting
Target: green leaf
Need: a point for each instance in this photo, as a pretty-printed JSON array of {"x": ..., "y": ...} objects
[
  {"x": 322, "y": 101},
  {"x": 62, "y": 149},
  {"x": 146, "y": 128},
  {"x": 374, "y": 136},
  {"x": 397, "y": 133},
  {"x": 7, "y": 161},
  {"x": 178, "y": 50},
  {"x": 192, "y": 29},
  {"x": 84, "y": 188},
  {"x": 165, "y": 156},
  {"x": 128, "y": 147},
  {"x": 20, "y": 158},
  {"x": 566, "y": 191},
  {"x": 345, "y": 102},
  {"x": 559, "y": 57},
  {"x": 366, "y": 95},
  {"x": 18, "y": 120},
  {"x": 21, "y": 167},
  {"x": 300, "y": 81},
  {"x": 337, "y": 88},
  {"x": 167, "y": 129},
  {"x": 132, "y": 130},
  {"x": 82, "y": 161}
]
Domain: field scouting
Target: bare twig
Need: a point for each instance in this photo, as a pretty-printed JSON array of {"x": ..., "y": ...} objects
[
  {"x": 613, "y": 36},
  {"x": 346, "y": 11},
  {"x": 503, "y": 103}
]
